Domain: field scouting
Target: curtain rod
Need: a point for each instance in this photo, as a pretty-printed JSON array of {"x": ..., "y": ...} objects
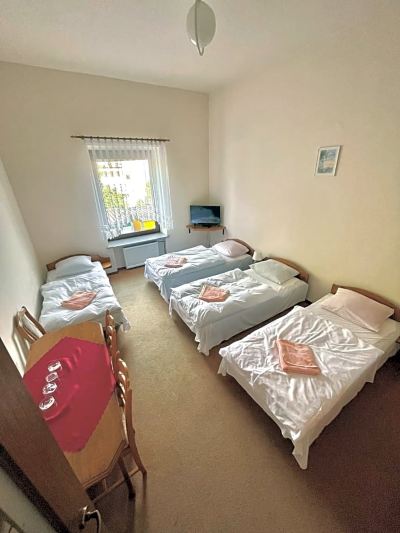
[{"x": 119, "y": 138}]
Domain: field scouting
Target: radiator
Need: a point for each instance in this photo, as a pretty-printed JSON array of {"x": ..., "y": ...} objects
[{"x": 136, "y": 255}]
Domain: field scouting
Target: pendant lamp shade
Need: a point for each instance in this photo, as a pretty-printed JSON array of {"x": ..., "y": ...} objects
[{"x": 200, "y": 25}]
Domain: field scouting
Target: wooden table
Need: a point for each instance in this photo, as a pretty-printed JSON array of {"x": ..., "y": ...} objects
[{"x": 98, "y": 457}]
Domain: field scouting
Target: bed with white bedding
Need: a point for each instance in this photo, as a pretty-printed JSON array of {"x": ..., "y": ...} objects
[
  {"x": 252, "y": 299},
  {"x": 302, "y": 405},
  {"x": 57, "y": 289},
  {"x": 201, "y": 262}
]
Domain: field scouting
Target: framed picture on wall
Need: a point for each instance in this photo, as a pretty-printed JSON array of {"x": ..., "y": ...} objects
[{"x": 327, "y": 161}]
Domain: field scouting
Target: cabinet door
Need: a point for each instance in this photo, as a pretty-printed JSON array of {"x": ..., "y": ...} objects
[{"x": 32, "y": 457}]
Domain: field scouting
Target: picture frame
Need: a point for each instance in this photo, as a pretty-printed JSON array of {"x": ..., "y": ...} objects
[{"x": 327, "y": 160}]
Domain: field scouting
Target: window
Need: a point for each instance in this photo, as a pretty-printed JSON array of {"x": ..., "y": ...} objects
[
  {"x": 131, "y": 186},
  {"x": 128, "y": 197}
]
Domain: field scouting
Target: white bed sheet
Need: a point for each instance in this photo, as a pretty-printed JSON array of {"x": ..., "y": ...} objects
[
  {"x": 202, "y": 262},
  {"x": 54, "y": 316},
  {"x": 252, "y": 300},
  {"x": 303, "y": 405},
  {"x": 385, "y": 338}
]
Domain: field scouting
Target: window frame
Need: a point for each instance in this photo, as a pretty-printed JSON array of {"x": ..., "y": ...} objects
[
  {"x": 113, "y": 149},
  {"x": 131, "y": 234}
]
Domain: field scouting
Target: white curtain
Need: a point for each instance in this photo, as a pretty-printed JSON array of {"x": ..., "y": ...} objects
[{"x": 108, "y": 150}]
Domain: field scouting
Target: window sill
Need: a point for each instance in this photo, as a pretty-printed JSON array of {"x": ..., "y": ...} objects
[{"x": 138, "y": 239}]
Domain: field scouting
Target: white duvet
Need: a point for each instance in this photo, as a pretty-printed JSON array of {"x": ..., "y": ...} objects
[
  {"x": 244, "y": 292},
  {"x": 201, "y": 262},
  {"x": 54, "y": 316},
  {"x": 302, "y": 405},
  {"x": 197, "y": 257},
  {"x": 251, "y": 300}
]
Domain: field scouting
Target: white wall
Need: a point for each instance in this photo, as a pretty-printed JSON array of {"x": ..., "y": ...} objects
[
  {"x": 264, "y": 135},
  {"x": 50, "y": 172},
  {"x": 20, "y": 273},
  {"x": 19, "y": 509}
]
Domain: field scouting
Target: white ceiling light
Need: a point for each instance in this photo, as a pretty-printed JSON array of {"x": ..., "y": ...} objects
[{"x": 200, "y": 25}]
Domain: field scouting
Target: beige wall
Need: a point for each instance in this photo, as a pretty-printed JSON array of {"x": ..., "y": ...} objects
[
  {"x": 19, "y": 510},
  {"x": 50, "y": 172},
  {"x": 264, "y": 136},
  {"x": 20, "y": 274}
]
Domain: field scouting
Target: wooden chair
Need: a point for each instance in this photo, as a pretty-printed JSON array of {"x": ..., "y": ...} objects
[
  {"x": 129, "y": 446},
  {"x": 124, "y": 394},
  {"x": 28, "y": 327}
]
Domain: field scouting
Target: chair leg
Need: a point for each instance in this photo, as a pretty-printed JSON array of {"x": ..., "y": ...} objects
[
  {"x": 131, "y": 432},
  {"x": 128, "y": 481},
  {"x": 136, "y": 456}
]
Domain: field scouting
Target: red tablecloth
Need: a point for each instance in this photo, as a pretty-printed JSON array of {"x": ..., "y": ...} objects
[{"x": 85, "y": 385}]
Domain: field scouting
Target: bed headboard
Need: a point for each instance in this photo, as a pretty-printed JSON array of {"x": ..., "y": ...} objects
[
  {"x": 373, "y": 296},
  {"x": 251, "y": 250},
  {"x": 302, "y": 274},
  {"x": 105, "y": 261}
]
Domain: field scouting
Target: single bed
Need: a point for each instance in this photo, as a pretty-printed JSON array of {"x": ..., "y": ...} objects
[
  {"x": 59, "y": 288},
  {"x": 201, "y": 262},
  {"x": 252, "y": 299},
  {"x": 301, "y": 405}
]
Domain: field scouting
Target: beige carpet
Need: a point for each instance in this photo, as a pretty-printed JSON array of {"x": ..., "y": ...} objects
[{"x": 217, "y": 463}]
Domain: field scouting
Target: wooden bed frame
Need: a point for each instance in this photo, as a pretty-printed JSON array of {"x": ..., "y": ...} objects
[
  {"x": 105, "y": 261},
  {"x": 373, "y": 296},
  {"x": 302, "y": 274}
]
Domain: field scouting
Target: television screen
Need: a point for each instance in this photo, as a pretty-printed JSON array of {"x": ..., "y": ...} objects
[{"x": 205, "y": 215}]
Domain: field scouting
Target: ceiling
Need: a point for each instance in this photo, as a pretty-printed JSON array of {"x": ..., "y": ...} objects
[{"x": 145, "y": 40}]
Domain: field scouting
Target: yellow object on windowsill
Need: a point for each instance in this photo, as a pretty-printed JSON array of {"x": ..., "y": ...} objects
[
  {"x": 137, "y": 225},
  {"x": 148, "y": 224}
]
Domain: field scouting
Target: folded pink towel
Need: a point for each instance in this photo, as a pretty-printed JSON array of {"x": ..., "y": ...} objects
[
  {"x": 297, "y": 358},
  {"x": 79, "y": 300},
  {"x": 209, "y": 293},
  {"x": 174, "y": 261}
]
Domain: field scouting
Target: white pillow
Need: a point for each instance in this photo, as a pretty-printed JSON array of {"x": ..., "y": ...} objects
[
  {"x": 230, "y": 248},
  {"x": 274, "y": 271},
  {"x": 358, "y": 309},
  {"x": 74, "y": 265}
]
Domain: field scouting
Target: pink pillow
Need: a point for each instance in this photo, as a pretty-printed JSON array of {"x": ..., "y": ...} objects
[
  {"x": 358, "y": 309},
  {"x": 230, "y": 248}
]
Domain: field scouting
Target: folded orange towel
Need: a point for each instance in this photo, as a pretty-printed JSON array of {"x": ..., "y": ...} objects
[
  {"x": 297, "y": 358},
  {"x": 209, "y": 293},
  {"x": 174, "y": 261},
  {"x": 79, "y": 300}
]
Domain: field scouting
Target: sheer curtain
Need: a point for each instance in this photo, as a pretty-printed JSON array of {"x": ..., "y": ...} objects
[{"x": 114, "y": 211}]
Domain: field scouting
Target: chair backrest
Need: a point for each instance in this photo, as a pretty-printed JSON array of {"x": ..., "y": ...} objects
[
  {"x": 109, "y": 319},
  {"x": 125, "y": 396},
  {"x": 111, "y": 340},
  {"x": 121, "y": 374},
  {"x": 123, "y": 381},
  {"x": 28, "y": 327}
]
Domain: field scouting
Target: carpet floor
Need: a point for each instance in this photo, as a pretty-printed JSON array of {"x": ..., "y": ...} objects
[{"x": 216, "y": 463}]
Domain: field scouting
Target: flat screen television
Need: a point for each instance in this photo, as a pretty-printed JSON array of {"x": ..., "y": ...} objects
[{"x": 205, "y": 215}]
